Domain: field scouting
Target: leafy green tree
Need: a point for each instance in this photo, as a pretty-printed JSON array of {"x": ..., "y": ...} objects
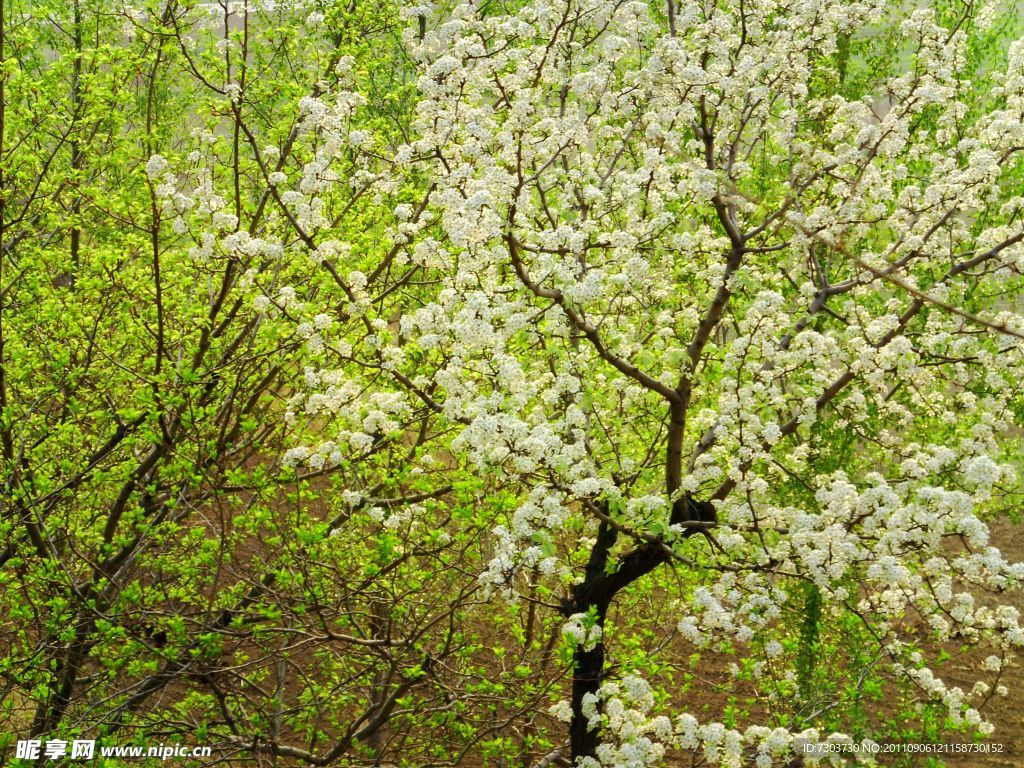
[{"x": 164, "y": 572}]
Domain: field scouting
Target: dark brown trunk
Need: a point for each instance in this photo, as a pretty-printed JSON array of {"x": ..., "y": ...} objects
[{"x": 594, "y": 595}]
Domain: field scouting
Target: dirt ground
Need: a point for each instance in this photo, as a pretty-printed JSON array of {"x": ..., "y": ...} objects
[
  {"x": 962, "y": 670},
  {"x": 1007, "y": 714}
]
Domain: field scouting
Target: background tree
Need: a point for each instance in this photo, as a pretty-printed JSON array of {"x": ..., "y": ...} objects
[{"x": 167, "y": 573}]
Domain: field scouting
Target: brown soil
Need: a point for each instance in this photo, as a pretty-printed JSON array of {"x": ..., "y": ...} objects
[
  {"x": 1006, "y": 713},
  {"x": 712, "y": 685}
]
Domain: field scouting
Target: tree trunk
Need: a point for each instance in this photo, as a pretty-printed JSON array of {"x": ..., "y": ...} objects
[
  {"x": 593, "y": 596},
  {"x": 588, "y": 667}
]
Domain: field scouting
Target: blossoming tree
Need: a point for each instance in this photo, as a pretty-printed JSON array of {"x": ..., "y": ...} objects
[
  {"x": 610, "y": 334},
  {"x": 717, "y": 306}
]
